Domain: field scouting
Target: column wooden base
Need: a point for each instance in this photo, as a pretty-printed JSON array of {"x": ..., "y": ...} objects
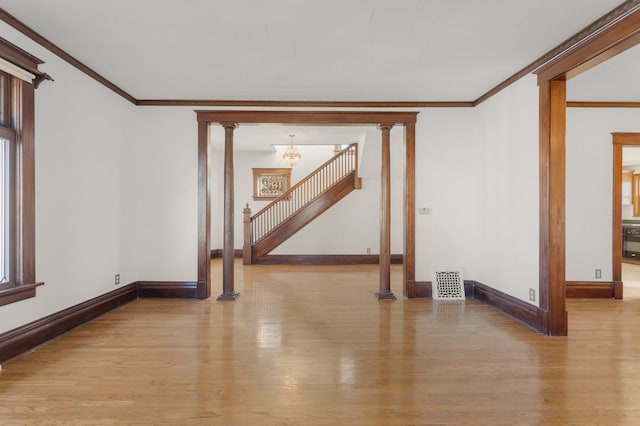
[
  {"x": 385, "y": 295},
  {"x": 228, "y": 297}
]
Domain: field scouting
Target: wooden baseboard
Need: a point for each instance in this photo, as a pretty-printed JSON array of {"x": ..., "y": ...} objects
[
  {"x": 324, "y": 259},
  {"x": 524, "y": 312},
  {"x": 169, "y": 289},
  {"x": 520, "y": 310},
  {"x": 590, "y": 290},
  {"x": 27, "y": 337},
  {"x": 217, "y": 253},
  {"x": 423, "y": 289}
]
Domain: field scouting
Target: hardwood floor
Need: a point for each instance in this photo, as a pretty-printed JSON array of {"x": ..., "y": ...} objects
[{"x": 310, "y": 345}]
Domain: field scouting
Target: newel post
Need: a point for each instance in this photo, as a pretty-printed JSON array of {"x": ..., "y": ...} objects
[{"x": 246, "y": 248}]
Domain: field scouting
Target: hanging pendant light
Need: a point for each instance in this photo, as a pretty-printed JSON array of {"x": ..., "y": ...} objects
[{"x": 291, "y": 155}]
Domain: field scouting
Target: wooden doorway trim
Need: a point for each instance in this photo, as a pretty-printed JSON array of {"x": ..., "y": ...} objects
[
  {"x": 620, "y": 140},
  {"x": 207, "y": 117},
  {"x": 617, "y": 38}
]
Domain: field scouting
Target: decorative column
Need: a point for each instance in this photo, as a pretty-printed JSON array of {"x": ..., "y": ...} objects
[
  {"x": 227, "y": 248},
  {"x": 385, "y": 216}
]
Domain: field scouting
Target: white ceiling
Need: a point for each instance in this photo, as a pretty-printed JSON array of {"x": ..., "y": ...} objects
[
  {"x": 264, "y": 137},
  {"x": 336, "y": 50}
]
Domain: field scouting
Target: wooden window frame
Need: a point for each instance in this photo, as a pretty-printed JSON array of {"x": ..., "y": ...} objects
[
  {"x": 18, "y": 117},
  {"x": 9, "y": 158}
]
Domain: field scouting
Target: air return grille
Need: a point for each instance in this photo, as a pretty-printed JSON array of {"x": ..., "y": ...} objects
[{"x": 447, "y": 284}]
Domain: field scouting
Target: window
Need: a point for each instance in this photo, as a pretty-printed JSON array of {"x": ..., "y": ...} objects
[
  {"x": 19, "y": 77},
  {"x": 7, "y": 246},
  {"x": 269, "y": 184}
]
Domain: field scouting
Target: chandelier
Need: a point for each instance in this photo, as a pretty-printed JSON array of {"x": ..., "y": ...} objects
[{"x": 291, "y": 155}]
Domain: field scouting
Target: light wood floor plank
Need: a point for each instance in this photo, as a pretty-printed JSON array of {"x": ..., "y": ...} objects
[{"x": 310, "y": 345}]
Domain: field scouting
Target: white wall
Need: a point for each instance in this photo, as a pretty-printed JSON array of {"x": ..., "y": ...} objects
[
  {"x": 82, "y": 238},
  {"x": 448, "y": 149},
  {"x": 507, "y": 218},
  {"x": 163, "y": 180},
  {"x": 589, "y": 187}
]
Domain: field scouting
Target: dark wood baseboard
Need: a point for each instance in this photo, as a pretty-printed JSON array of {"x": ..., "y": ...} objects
[
  {"x": 590, "y": 290},
  {"x": 168, "y": 289},
  {"x": 522, "y": 311},
  {"x": 423, "y": 289},
  {"x": 29, "y": 336},
  {"x": 217, "y": 253},
  {"x": 324, "y": 259}
]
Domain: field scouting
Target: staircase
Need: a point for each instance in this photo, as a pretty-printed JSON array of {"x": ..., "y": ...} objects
[{"x": 300, "y": 205}]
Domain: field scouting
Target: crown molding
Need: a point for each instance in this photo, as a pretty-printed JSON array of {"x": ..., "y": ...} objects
[{"x": 309, "y": 104}]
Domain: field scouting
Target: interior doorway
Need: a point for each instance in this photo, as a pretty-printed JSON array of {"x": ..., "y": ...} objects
[
  {"x": 230, "y": 119},
  {"x": 627, "y": 169},
  {"x": 626, "y": 214}
]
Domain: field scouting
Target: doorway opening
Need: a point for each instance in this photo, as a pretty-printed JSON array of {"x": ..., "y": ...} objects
[{"x": 626, "y": 255}]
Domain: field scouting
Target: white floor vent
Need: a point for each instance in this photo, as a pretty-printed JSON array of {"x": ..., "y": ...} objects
[{"x": 447, "y": 284}]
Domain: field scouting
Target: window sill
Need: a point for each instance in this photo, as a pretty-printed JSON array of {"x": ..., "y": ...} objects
[{"x": 15, "y": 294}]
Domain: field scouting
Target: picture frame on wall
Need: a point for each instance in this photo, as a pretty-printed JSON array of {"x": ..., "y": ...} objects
[{"x": 270, "y": 183}]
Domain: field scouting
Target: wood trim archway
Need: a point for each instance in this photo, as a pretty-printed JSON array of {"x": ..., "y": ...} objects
[
  {"x": 617, "y": 38},
  {"x": 207, "y": 117}
]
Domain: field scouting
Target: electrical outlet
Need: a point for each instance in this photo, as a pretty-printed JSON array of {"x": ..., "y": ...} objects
[
  {"x": 368, "y": 250},
  {"x": 598, "y": 273},
  {"x": 532, "y": 294},
  {"x": 424, "y": 210},
  {"x": 117, "y": 280}
]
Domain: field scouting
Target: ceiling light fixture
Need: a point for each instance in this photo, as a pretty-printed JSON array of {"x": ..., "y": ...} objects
[{"x": 291, "y": 155}]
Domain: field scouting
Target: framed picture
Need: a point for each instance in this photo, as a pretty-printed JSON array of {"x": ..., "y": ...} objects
[{"x": 269, "y": 184}]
